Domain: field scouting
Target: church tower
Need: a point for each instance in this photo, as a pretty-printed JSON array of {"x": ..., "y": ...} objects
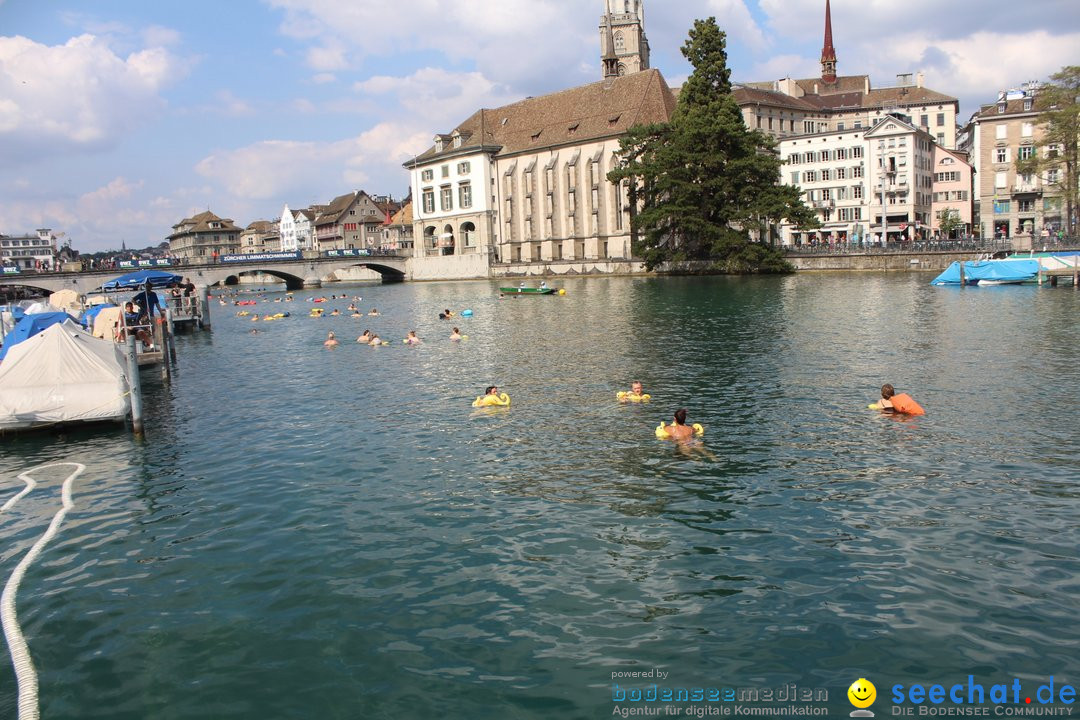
[
  {"x": 828, "y": 52},
  {"x": 624, "y": 49}
]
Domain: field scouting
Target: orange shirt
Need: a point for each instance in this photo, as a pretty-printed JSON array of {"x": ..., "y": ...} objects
[{"x": 903, "y": 403}]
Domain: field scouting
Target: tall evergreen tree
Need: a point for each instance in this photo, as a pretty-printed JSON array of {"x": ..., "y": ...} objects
[
  {"x": 705, "y": 182},
  {"x": 1056, "y": 158}
]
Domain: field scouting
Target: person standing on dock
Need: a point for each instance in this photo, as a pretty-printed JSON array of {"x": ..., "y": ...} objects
[{"x": 148, "y": 301}]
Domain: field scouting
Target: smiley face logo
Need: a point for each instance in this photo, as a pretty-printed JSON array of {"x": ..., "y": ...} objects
[{"x": 862, "y": 693}]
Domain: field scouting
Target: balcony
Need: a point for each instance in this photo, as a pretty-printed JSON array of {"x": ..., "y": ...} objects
[{"x": 1025, "y": 189}]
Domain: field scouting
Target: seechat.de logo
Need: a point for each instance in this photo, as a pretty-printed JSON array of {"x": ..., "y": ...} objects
[{"x": 862, "y": 694}]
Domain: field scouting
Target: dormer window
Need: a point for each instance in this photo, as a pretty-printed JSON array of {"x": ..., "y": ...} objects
[
  {"x": 1001, "y": 108},
  {"x": 455, "y": 140},
  {"x": 1027, "y": 103},
  {"x": 439, "y": 143}
]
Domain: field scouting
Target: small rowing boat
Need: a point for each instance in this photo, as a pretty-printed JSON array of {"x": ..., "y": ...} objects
[{"x": 526, "y": 291}]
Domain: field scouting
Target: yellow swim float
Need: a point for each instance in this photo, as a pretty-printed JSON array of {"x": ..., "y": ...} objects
[
  {"x": 661, "y": 430},
  {"x": 500, "y": 400},
  {"x": 626, "y": 396}
]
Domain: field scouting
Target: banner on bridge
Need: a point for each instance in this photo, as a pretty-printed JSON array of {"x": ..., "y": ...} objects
[
  {"x": 162, "y": 262},
  {"x": 11, "y": 270},
  {"x": 259, "y": 257},
  {"x": 351, "y": 252}
]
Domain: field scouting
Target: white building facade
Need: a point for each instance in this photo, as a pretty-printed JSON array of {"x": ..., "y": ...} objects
[
  {"x": 29, "y": 252},
  {"x": 854, "y": 178}
]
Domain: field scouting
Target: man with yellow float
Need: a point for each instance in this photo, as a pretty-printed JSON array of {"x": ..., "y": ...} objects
[
  {"x": 636, "y": 393},
  {"x": 492, "y": 398}
]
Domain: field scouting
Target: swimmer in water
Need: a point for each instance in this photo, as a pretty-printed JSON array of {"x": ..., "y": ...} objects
[
  {"x": 679, "y": 430},
  {"x": 412, "y": 339},
  {"x": 365, "y": 338},
  {"x": 375, "y": 341},
  {"x": 455, "y": 335},
  {"x": 373, "y": 312},
  {"x": 636, "y": 391},
  {"x": 331, "y": 341}
]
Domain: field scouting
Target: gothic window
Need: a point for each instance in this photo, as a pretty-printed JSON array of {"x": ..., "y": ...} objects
[{"x": 620, "y": 42}]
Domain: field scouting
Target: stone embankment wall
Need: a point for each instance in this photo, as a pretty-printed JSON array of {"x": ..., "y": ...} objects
[
  {"x": 880, "y": 262},
  {"x": 569, "y": 268}
]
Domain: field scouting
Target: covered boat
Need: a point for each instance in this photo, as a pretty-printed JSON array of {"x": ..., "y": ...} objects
[
  {"x": 996, "y": 272},
  {"x": 62, "y": 375},
  {"x": 30, "y": 325}
]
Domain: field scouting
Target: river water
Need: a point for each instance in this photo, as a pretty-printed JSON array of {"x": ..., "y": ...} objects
[{"x": 314, "y": 533}]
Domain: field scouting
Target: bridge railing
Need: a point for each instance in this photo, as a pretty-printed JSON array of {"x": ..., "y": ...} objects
[{"x": 967, "y": 245}]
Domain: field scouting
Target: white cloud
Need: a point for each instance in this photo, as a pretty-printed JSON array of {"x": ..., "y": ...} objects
[
  {"x": 274, "y": 168},
  {"x": 76, "y": 96},
  {"x": 323, "y": 78},
  {"x": 229, "y": 104},
  {"x": 438, "y": 98},
  {"x": 328, "y": 57},
  {"x": 158, "y": 36}
]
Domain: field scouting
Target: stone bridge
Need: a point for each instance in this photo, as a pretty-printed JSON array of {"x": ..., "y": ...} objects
[{"x": 295, "y": 273}]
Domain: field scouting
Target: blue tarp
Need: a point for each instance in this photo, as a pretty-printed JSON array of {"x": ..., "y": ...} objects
[
  {"x": 30, "y": 326},
  {"x": 135, "y": 280},
  {"x": 1000, "y": 270},
  {"x": 89, "y": 315}
]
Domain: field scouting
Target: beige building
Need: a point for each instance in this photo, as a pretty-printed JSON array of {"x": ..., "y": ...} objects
[
  {"x": 527, "y": 182},
  {"x": 829, "y": 103},
  {"x": 398, "y": 233},
  {"x": 953, "y": 185},
  {"x": 204, "y": 237},
  {"x": 259, "y": 237},
  {"x": 900, "y": 163},
  {"x": 350, "y": 221},
  {"x": 1010, "y": 203}
]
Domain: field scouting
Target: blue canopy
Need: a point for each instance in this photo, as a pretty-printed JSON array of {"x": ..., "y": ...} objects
[
  {"x": 89, "y": 315},
  {"x": 135, "y": 280},
  {"x": 1000, "y": 270},
  {"x": 30, "y": 326}
]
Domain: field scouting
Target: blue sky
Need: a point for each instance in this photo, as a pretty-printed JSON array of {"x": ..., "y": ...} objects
[{"x": 118, "y": 118}]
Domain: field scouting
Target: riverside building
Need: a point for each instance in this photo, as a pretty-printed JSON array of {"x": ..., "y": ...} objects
[
  {"x": 29, "y": 252},
  {"x": 526, "y": 183},
  {"x": 1010, "y": 203}
]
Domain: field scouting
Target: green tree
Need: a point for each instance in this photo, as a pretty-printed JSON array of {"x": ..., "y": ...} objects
[
  {"x": 1055, "y": 159},
  {"x": 949, "y": 221},
  {"x": 706, "y": 184}
]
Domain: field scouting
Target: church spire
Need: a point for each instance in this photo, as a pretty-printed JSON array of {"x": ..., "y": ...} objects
[
  {"x": 611, "y": 59},
  {"x": 828, "y": 52}
]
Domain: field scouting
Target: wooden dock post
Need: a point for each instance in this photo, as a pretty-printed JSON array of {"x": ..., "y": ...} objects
[
  {"x": 1076, "y": 271},
  {"x": 135, "y": 388},
  {"x": 962, "y": 281},
  {"x": 204, "y": 299}
]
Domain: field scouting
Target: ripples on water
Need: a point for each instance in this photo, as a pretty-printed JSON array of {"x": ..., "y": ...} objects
[{"x": 314, "y": 533}]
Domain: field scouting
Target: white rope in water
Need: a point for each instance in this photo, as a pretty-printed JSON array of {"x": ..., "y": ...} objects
[{"x": 20, "y": 653}]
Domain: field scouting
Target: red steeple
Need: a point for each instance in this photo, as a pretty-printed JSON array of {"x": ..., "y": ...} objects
[{"x": 828, "y": 53}]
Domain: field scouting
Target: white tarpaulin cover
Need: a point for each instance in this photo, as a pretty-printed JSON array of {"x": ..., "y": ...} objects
[
  {"x": 65, "y": 299},
  {"x": 105, "y": 323},
  {"x": 62, "y": 375}
]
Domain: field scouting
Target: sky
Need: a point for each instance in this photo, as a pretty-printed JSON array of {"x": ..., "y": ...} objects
[{"x": 119, "y": 118}]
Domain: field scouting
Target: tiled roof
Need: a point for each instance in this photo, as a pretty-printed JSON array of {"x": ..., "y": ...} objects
[
  {"x": 333, "y": 212},
  {"x": 579, "y": 115},
  {"x": 404, "y": 216},
  {"x": 1012, "y": 107},
  {"x": 201, "y": 223},
  {"x": 843, "y": 84},
  {"x": 905, "y": 96},
  {"x": 757, "y": 96}
]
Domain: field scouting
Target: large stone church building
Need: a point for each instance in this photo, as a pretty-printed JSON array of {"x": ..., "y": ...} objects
[{"x": 527, "y": 183}]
